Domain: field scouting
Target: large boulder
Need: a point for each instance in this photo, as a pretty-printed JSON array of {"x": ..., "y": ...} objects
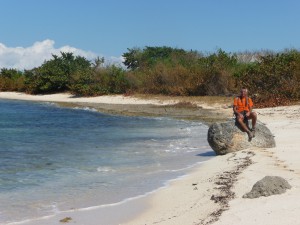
[
  {"x": 228, "y": 137},
  {"x": 269, "y": 185}
]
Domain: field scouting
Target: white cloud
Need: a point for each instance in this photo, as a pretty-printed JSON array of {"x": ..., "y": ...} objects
[
  {"x": 118, "y": 61},
  {"x": 34, "y": 56}
]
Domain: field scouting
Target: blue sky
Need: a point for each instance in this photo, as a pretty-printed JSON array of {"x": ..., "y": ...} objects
[{"x": 108, "y": 28}]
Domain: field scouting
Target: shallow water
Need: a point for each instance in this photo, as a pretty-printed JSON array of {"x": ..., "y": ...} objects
[{"x": 54, "y": 159}]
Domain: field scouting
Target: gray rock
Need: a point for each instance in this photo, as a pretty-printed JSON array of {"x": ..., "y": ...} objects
[
  {"x": 269, "y": 185},
  {"x": 227, "y": 137}
]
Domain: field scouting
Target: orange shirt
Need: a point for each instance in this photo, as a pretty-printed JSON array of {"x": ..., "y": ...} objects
[{"x": 241, "y": 104}]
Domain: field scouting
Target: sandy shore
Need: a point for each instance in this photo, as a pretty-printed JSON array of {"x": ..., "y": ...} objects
[
  {"x": 189, "y": 201},
  {"x": 197, "y": 108},
  {"x": 199, "y": 198}
]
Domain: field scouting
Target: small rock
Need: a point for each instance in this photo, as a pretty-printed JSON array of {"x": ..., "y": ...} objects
[{"x": 269, "y": 185}]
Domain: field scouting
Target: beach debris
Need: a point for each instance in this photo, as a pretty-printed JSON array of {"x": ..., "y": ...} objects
[
  {"x": 66, "y": 220},
  {"x": 224, "y": 184},
  {"x": 269, "y": 185},
  {"x": 195, "y": 186},
  {"x": 226, "y": 137}
]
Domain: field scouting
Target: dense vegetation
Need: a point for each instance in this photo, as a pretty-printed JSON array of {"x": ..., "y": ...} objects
[{"x": 273, "y": 78}]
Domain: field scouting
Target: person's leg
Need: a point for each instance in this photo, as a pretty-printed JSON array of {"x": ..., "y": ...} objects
[
  {"x": 253, "y": 117},
  {"x": 244, "y": 127}
]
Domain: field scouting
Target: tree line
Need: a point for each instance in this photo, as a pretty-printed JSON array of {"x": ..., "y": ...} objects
[{"x": 273, "y": 78}]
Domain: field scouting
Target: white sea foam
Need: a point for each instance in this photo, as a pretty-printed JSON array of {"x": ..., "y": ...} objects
[
  {"x": 86, "y": 109},
  {"x": 105, "y": 169}
]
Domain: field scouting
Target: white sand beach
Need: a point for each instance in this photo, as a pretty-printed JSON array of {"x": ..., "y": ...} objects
[
  {"x": 66, "y": 97},
  {"x": 189, "y": 200}
]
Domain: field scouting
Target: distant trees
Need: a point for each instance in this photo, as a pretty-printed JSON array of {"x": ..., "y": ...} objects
[
  {"x": 273, "y": 78},
  {"x": 218, "y": 69},
  {"x": 11, "y": 80},
  {"x": 99, "y": 81},
  {"x": 172, "y": 71},
  {"x": 55, "y": 75},
  {"x": 75, "y": 74},
  {"x": 140, "y": 58}
]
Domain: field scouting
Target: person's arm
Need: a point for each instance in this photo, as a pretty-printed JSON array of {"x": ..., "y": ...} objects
[
  {"x": 250, "y": 110},
  {"x": 236, "y": 111},
  {"x": 250, "y": 106}
]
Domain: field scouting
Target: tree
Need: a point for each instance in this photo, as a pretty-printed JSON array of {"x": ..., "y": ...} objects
[
  {"x": 10, "y": 73},
  {"x": 55, "y": 75},
  {"x": 11, "y": 80},
  {"x": 132, "y": 58},
  {"x": 136, "y": 58}
]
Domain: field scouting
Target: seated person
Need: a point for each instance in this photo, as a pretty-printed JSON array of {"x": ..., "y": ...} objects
[{"x": 242, "y": 108}]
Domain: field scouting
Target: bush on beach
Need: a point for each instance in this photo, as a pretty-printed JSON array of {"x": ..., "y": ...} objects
[
  {"x": 11, "y": 80},
  {"x": 178, "y": 72},
  {"x": 99, "y": 81},
  {"x": 273, "y": 78}
]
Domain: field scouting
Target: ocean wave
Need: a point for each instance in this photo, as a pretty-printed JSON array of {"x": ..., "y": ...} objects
[
  {"x": 105, "y": 169},
  {"x": 86, "y": 109}
]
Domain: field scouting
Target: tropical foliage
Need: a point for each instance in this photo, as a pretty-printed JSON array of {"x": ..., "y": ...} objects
[
  {"x": 272, "y": 78},
  {"x": 11, "y": 80}
]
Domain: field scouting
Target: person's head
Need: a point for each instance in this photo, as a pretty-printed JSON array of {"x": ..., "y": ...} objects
[{"x": 244, "y": 92}]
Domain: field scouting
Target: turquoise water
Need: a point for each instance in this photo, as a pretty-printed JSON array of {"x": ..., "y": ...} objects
[{"x": 54, "y": 159}]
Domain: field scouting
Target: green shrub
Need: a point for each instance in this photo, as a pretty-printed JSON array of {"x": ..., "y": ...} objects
[
  {"x": 99, "y": 81},
  {"x": 274, "y": 79},
  {"x": 11, "y": 80},
  {"x": 55, "y": 75}
]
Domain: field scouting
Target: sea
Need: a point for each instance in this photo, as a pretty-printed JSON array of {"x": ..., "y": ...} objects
[{"x": 54, "y": 159}]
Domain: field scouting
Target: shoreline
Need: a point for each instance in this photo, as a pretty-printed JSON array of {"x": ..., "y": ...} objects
[
  {"x": 135, "y": 204},
  {"x": 178, "y": 107},
  {"x": 198, "y": 198},
  {"x": 222, "y": 181}
]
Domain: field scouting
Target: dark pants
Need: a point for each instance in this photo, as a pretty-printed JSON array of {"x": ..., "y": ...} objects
[{"x": 246, "y": 121}]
